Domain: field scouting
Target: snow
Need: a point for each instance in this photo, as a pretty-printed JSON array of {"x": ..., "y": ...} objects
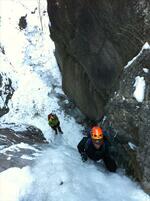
[
  {"x": 71, "y": 179},
  {"x": 132, "y": 146},
  {"x": 10, "y": 148},
  {"x": 17, "y": 147},
  {"x": 145, "y": 46},
  {"x": 25, "y": 146},
  {"x": 36, "y": 71},
  {"x": 139, "y": 88},
  {"x": 146, "y": 70},
  {"x": 59, "y": 173},
  {"x": 12, "y": 183},
  {"x": 13, "y": 126},
  {"x": 123, "y": 98},
  {"x": 26, "y": 157}
]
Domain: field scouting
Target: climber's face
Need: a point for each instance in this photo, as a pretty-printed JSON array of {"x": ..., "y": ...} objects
[{"x": 97, "y": 143}]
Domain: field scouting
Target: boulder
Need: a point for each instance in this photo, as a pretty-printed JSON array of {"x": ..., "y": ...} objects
[{"x": 19, "y": 145}]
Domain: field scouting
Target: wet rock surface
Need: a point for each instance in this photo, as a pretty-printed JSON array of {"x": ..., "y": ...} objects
[{"x": 20, "y": 145}]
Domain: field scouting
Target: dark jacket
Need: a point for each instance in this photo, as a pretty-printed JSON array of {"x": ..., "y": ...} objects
[{"x": 86, "y": 146}]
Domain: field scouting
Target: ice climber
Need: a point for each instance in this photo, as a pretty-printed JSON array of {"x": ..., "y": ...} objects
[
  {"x": 54, "y": 123},
  {"x": 96, "y": 147}
]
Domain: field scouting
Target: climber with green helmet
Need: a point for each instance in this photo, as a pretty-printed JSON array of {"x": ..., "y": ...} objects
[{"x": 54, "y": 123}]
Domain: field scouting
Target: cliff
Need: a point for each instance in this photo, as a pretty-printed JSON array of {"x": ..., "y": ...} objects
[{"x": 94, "y": 40}]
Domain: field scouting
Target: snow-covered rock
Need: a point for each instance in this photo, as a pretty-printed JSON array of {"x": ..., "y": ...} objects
[
  {"x": 130, "y": 119},
  {"x": 6, "y": 92},
  {"x": 19, "y": 145}
]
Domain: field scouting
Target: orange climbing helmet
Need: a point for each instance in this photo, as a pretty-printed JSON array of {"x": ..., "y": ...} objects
[{"x": 96, "y": 133}]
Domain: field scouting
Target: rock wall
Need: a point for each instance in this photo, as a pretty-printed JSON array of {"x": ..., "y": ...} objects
[
  {"x": 94, "y": 40},
  {"x": 130, "y": 121},
  {"x": 6, "y": 92}
]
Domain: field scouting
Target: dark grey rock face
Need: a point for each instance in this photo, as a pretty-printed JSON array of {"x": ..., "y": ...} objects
[
  {"x": 6, "y": 92},
  {"x": 19, "y": 145},
  {"x": 94, "y": 40},
  {"x": 22, "y": 22},
  {"x": 130, "y": 121}
]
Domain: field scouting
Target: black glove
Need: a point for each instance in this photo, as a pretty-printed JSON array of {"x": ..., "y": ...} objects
[{"x": 84, "y": 157}]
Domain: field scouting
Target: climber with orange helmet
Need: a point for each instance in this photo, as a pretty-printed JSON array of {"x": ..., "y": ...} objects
[{"x": 96, "y": 147}]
